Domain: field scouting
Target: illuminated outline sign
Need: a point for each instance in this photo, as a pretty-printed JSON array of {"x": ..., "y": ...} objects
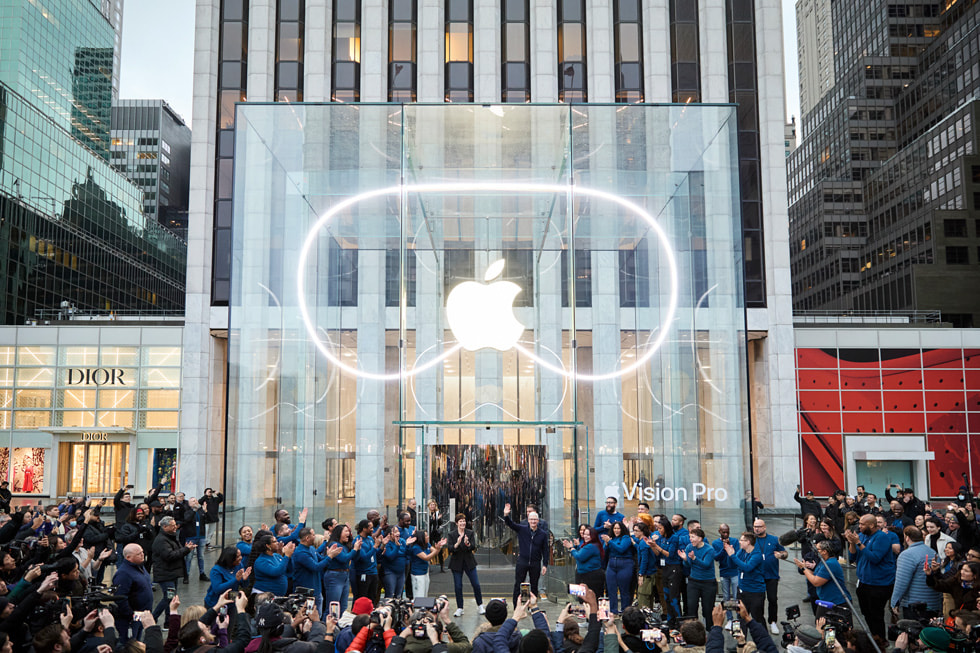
[{"x": 486, "y": 187}]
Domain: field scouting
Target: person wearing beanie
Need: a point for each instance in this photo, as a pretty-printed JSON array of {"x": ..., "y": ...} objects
[
  {"x": 496, "y": 614},
  {"x": 933, "y": 639}
]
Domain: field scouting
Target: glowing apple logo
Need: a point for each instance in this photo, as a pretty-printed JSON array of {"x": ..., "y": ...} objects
[{"x": 481, "y": 315}]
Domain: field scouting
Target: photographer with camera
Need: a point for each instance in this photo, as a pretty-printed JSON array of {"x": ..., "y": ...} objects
[
  {"x": 930, "y": 640},
  {"x": 716, "y": 637},
  {"x": 418, "y": 641},
  {"x": 281, "y": 633},
  {"x": 822, "y": 577},
  {"x": 196, "y": 637}
]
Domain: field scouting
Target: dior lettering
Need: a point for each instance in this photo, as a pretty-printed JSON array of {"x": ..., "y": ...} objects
[
  {"x": 95, "y": 437},
  {"x": 96, "y": 376}
]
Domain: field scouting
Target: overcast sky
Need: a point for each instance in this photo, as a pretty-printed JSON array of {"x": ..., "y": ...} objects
[{"x": 158, "y": 54}]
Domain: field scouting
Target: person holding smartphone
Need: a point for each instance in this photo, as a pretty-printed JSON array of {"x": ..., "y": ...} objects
[{"x": 462, "y": 543}]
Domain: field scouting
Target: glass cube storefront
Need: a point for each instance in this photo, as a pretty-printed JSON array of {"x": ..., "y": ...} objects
[{"x": 486, "y": 304}]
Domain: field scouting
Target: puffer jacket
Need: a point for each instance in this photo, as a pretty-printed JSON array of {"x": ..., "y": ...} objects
[
  {"x": 483, "y": 639},
  {"x": 168, "y": 557},
  {"x": 315, "y": 642}
]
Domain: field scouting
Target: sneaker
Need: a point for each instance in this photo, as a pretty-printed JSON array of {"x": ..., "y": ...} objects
[
  {"x": 185, "y": 580},
  {"x": 728, "y": 625},
  {"x": 480, "y": 609},
  {"x": 459, "y": 612},
  {"x": 773, "y": 628},
  {"x": 203, "y": 577}
]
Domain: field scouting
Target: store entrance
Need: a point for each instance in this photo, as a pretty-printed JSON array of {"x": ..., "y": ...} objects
[{"x": 92, "y": 468}]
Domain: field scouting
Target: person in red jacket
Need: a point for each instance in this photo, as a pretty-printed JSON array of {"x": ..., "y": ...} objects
[{"x": 363, "y": 637}]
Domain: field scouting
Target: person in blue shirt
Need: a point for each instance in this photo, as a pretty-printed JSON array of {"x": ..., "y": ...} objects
[
  {"x": 608, "y": 517},
  {"x": 772, "y": 552},
  {"x": 588, "y": 560},
  {"x": 244, "y": 543},
  {"x": 226, "y": 574},
  {"x": 702, "y": 584},
  {"x": 872, "y": 553},
  {"x": 308, "y": 566},
  {"x": 726, "y": 568},
  {"x": 819, "y": 576},
  {"x": 271, "y": 568},
  {"x": 620, "y": 550},
  {"x": 393, "y": 550},
  {"x": 419, "y": 555},
  {"x": 664, "y": 544},
  {"x": 364, "y": 565},
  {"x": 751, "y": 579},
  {"x": 646, "y": 565},
  {"x": 407, "y": 532},
  {"x": 340, "y": 550}
]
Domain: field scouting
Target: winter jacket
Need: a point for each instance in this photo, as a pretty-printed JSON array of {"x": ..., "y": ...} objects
[
  {"x": 485, "y": 634},
  {"x": 168, "y": 558},
  {"x": 460, "y": 642},
  {"x": 760, "y": 635},
  {"x": 963, "y": 597},
  {"x": 808, "y": 506},
  {"x": 121, "y": 508},
  {"x": 910, "y": 580},
  {"x": 211, "y": 506},
  {"x": 314, "y": 643},
  {"x": 132, "y": 582}
]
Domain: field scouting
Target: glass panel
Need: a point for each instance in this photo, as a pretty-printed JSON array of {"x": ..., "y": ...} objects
[
  {"x": 459, "y": 42},
  {"x": 290, "y": 41},
  {"x": 628, "y": 43},
  {"x": 401, "y": 46},
  {"x": 161, "y": 356},
  {"x": 571, "y": 42},
  {"x": 35, "y": 356},
  {"x": 347, "y": 42},
  {"x": 515, "y": 42},
  {"x": 120, "y": 356},
  {"x": 161, "y": 420}
]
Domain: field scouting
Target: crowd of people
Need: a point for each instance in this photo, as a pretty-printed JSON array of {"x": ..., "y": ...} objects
[{"x": 644, "y": 583}]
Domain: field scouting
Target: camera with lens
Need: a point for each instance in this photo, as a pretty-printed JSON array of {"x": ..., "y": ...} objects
[
  {"x": 420, "y": 621},
  {"x": 651, "y": 618},
  {"x": 296, "y": 601},
  {"x": 917, "y": 617},
  {"x": 789, "y": 626}
]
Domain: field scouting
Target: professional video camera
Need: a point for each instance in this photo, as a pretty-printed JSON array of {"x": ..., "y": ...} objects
[
  {"x": 400, "y": 610},
  {"x": 790, "y": 625},
  {"x": 94, "y": 598},
  {"x": 652, "y": 618},
  {"x": 918, "y": 616},
  {"x": 838, "y": 617},
  {"x": 302, "y": 597}
]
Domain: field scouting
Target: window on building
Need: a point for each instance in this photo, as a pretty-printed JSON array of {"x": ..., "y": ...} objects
[
  {"x": 583, "y": 278},
  {"x": 685, "y": 66},
  {"x": 628, "y": 32},
  {"x": 957, "y": 255},
  {"x": 341, "y": 276},
  {"x": 572, "y": 71},
  {"x": 290, "y": 19},
  {"x": 402, "y": 20},
  {"x": 634, "y": 278},
  {"x": 459, "y": 51},
  {"x": 954, "y": 228},
  {"x": 457, "y": 267},
  {"x": 393, "y": 278},
  {"x": 346, "y": 77},
  {"x": 519, "y": 269},
  {"x": 515, "y": 46}
]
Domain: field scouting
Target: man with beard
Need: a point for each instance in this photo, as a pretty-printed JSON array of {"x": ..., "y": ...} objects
[
  {"x": 772, "y": 553},
  {"x": 872, "y": 552},
  {"x": 911, "y": 505},
  {"x": 608, "y": 517},
  {"x": 897, "y": 519},
  {"x": 282, "y": 519}
]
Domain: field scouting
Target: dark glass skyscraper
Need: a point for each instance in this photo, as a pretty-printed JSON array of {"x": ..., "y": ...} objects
[
  {"x": 72, "y": 229},
  {"x": 883, "y": 214}
]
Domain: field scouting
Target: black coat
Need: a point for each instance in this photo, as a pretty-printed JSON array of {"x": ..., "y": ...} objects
[
  {"x": 211, "y": 506},
  {"x": 462, "y": 558},
  {"x": 168, "y": 557}
]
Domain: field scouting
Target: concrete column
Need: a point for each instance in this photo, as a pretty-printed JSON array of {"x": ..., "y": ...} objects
[
  {"x": 374, "y": 51},
  {"x": 370, "y": 462},
  {"x": 607, "y": 395},
  {"x": 544, "y": 51},
  {"x": 656, "y": 48},
  {"x": 261, "y": 73},
  {"x": 430, "y": 49},
  {"x": 318, "y": 43},
  {"x": 714, "y": 51},
  {"x": 486, "y": 51},
  {"x": 599, "y": 45}
]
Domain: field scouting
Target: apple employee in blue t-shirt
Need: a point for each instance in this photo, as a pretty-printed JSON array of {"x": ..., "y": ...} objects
[
  {"x": 875, "y": 559},
  {"x": 608, "y": 517},
  {"x": 819, "y": 576}
]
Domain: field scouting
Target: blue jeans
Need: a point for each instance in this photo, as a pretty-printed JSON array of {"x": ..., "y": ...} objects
[
  {"x": 729, "y": 591},
  {"x": 199, "y": 541},
  {"x": 164, "y": 601},
  {"x": 336, "y": 587},
  {"x": 458, "y": 586},
  {"x": 394, "y": 582},
  {"x": 619, "y": 576}
]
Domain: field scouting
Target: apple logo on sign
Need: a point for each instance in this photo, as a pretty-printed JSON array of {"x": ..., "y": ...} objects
[
  {"x": 481, "y": 315},
  {"x": 611, "y": 491}
]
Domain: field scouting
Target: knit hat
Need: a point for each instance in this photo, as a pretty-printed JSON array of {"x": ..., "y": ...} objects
[
  {"x": 535, "y": 641},
  {"x": 496, "y": 612},
  {"x": 363, "y": 605},
  {"x": 808, "y": 636},
  {"x": 935, "y": 638},
  {"x": 268, "y": 616}
]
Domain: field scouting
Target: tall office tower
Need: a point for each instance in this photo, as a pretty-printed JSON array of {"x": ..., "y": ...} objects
[
  {"x": 152, "y": 146},
  {"x": 882, "y": 203},
  {"x": 815, "y": 41},
  {"x": 73, "y": 230},
  {"x": 303, "y": 105}
]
